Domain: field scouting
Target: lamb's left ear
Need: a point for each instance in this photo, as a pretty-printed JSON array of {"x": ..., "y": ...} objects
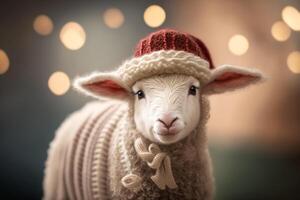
[
  {"x": 102, "y": 85},
  {"x": 227, "y": 78}
]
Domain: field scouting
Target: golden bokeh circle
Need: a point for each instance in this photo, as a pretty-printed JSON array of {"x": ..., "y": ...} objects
[
  {"x": 291, "y": 17},
  {"x": 293, "y": 62},
  {"x": 4, "y": 62},
  {"x": 280, "y": 31},
  {"x": 59, "y": 83},
  {"x": 154, "y": 16},
  {"x": 238, "y": 44},
  {"x": 113, "y": 18},
  {"x": 43, "y": 25},
  {"x": 72, "y": 35}
]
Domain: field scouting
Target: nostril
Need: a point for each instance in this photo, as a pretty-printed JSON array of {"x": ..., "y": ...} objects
[
  {"x": 173, "y": 121},
  {"x": 167, "y": 125}
]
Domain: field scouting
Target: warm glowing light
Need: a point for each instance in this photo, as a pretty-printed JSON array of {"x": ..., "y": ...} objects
[
  {"x": 238, "y": 44},
  {"x": 43, "y": 25},
  {"x": 113, "y": 18},
  {"x": 280, "y": 31},
  {"x": 293, "y": 62},
  {"x": 4, "y": 62},
  {"x": 291, "y": 17},
  {"x": 72, "y": 35},
  {"x": 154, "y": 16},
  {"x": 59, "y": 83}
]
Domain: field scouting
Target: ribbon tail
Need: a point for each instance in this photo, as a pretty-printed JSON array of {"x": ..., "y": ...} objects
[
  {"x": 158, "y": 179},
  {"x": 170, "y": 181}
]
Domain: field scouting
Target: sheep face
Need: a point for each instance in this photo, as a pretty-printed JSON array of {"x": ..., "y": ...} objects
[{"x": 166, "y": 107}]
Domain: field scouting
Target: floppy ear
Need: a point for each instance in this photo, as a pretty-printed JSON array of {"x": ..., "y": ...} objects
[
  {"x": 227, "y": 78},
  {"x": 102, "y": 85}
]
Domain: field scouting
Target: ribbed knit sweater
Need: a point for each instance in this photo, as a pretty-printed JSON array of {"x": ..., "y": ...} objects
[{"x": 93, "y": 150}]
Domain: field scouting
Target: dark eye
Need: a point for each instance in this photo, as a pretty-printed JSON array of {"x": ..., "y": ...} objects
[
  {"x": 140, "y": 94},
  {"x": 193, "y": 90}
]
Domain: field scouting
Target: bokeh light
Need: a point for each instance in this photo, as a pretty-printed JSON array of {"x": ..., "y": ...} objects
[
  {"x": 59, "y": 83},
  {"x": 293, "y": 62},
  {"x": 113, "y": 18},
  {"x": 43, "y": 25},
  {"x": 291, "y": 17},
  {"x": 4, "y": 62},
  {"x": 238, "y": 44},
  {"x": 72, "y": 35},
  {"x": 280, "y": 31},
  {"x": 154, "y": 16}
]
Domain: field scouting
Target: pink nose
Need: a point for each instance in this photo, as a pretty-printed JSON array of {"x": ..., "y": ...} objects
[{"x": 167, "y": 120}]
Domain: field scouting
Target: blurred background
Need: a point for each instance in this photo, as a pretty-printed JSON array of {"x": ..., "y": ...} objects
[{"x": 254, "y": 134}]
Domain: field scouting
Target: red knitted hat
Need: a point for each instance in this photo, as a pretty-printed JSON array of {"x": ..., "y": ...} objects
[
  {"x": 168, "y": 39},
  {"x": 167, "y": 52}
]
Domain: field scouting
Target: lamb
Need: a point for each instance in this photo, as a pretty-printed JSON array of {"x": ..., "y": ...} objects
[{"x": 145, "y": 137}]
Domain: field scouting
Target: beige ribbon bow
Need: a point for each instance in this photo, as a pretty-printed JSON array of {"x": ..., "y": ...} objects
[{"x": 156, "y": 160}]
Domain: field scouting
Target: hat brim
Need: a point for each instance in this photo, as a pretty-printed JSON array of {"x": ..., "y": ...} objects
[{"x": 164, "y": 62}]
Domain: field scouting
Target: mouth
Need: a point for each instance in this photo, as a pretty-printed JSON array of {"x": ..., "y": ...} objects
[
  {"x": 167, "y": 133},
  {"x": 165, "y": 137},
  {"x": 163, "y": 132}
]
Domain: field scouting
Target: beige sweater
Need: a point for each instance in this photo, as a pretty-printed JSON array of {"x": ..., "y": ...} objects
[{"x": 94, "y": 149}]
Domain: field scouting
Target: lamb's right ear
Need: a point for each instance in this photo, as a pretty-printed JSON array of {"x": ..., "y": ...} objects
[{"x": 102, "y": 85}]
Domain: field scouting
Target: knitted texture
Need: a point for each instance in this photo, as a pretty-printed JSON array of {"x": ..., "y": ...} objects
[
  {"x": 94, "y": 149},
  {"x": 163, "y": 62},
  {"x": 167, "y": 52},
  {"x": 168, "y": 39},
  {"x": 73, "y": 167}
]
